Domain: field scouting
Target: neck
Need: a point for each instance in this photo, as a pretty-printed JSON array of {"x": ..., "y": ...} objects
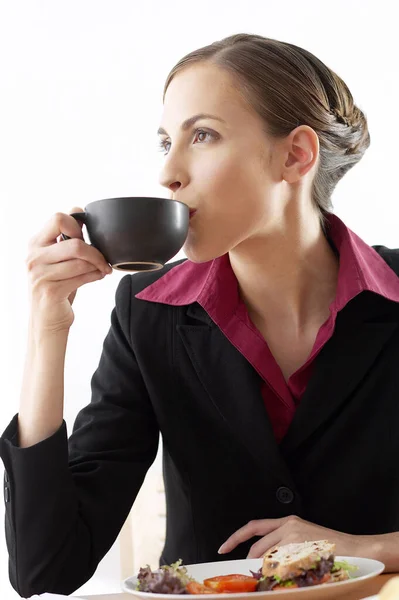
[{"x": 288, "y": 273}]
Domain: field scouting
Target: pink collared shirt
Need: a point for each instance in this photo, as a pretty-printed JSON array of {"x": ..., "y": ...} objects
[{"x": 214, "y": 286}]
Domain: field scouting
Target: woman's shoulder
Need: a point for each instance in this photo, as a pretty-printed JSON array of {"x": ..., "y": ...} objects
[{"x": 390, "y": 256}]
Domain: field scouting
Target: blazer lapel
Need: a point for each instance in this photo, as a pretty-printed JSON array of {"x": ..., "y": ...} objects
[
  {"x": 362, "y": 330},
  {"x": 234, "y": 387}
]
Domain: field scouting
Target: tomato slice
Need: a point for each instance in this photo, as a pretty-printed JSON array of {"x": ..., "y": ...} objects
[
  {"x": 232, "y": 583},
  {"x": 197, "y": 588},
  {"x": 325, "y": 579}
]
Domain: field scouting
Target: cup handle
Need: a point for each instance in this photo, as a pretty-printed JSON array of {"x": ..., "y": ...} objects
[{"x": 79, "y": 216}]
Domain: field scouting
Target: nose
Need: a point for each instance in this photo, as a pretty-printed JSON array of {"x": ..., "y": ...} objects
[
  {"x": 174, "y": 186},
  {"x": 173, "y": 176},
  {"x": 172, "y": 183}
]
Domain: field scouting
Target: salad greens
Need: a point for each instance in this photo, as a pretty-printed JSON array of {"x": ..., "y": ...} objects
[{"x": 168, "y": 579}]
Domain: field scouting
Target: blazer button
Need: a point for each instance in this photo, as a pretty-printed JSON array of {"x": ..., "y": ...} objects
[{"x": 285, "y": 495}]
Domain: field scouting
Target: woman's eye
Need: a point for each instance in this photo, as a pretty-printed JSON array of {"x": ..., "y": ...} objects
[
  {"x": 200, "y": 136},
  {"x": 164, "y": 146}
]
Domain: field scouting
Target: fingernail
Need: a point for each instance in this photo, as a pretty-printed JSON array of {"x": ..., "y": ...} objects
[{"x": 221, "y": 549}]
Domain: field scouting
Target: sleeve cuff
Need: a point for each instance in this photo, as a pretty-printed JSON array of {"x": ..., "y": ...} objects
[
  {"x": 10, "y": 434},
  {"x": 22, "y": 459}
]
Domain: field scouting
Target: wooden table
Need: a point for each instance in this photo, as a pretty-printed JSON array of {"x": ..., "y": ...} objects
[{"x": 372, "y": 587}]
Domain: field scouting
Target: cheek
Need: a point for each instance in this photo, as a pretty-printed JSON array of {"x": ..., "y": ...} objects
[
  {"x": 229, "y": 182},
  {"x": 229, "y": 212},
  {"x": 222, "y": 175},
  {"x": 231, "y": 197}
]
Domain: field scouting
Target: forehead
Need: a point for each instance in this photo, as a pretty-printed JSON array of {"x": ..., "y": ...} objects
[{"x": 202, "y": 88}]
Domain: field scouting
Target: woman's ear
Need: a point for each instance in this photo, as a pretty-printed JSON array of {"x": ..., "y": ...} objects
[{"x": 301, "y": 153}]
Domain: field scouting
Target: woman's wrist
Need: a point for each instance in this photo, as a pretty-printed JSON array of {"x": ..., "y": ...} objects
[{"x": 383, "y": 547}]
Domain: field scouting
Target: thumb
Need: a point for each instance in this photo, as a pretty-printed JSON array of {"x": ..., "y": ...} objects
[{"x": 77, "y": 209}]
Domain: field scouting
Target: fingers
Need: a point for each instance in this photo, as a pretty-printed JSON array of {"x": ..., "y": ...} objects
[
  {"x": 258, "y": 527},
  {"x": 57, "y": 270},
  {"x": 44, "y": 250},
  {"x": 266, "y": 544},
  {"x": 59, "y": 223},
  {"x": 69, "y": 251},
  {"x": 76, "y": 209},
  {"x": 57, "y": 281},
  {"x": 55, "y": 291},
  {"x": 65, "y": 270}
]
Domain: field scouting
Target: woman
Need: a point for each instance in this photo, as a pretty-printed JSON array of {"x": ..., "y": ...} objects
[{"x": 268, "y": 359}]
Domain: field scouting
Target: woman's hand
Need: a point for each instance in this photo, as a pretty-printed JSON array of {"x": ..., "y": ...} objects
[
  {"x": 288, "y": 530},
  {"x": 57, "y": 270}
]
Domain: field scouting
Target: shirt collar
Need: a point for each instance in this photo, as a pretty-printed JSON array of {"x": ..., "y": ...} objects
[{"x": 361, "y": 269}]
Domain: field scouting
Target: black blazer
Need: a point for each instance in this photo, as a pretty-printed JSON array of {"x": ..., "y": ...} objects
[{"x": 170, "y": 369}]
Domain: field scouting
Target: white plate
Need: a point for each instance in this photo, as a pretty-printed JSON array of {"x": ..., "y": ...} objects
[{"x": 368, "y": 569}]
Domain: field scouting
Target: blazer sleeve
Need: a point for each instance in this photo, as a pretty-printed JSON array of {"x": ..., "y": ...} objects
[{"x": 66, "y": 501}]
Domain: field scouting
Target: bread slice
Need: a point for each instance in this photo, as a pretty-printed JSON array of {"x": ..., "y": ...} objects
[
  {"x": 390, "y": 591},
  {"x": 291, "y": 560}
]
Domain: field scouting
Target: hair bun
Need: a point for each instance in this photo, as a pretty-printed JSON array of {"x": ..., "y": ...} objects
[
  {"x": 340, "y": 117},
  {"x": 355, "y": 118}
]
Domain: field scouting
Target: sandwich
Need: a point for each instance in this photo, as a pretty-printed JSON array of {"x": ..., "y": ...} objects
[
  {"x": 390, "y": 591},
  {"x": 302, "y": 565}
]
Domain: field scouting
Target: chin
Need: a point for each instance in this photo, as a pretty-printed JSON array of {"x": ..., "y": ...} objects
[{"x": 198, "y": 254}]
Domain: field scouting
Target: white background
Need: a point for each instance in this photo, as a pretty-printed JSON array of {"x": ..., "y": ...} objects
[{"x": 80, "y": 102}]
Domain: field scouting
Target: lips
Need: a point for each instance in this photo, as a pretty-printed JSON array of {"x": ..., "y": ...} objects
[{"x": 192, "y": 212}]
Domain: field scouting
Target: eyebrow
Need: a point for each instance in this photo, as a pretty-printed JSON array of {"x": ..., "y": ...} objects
[{"x": 190, "y": 122}]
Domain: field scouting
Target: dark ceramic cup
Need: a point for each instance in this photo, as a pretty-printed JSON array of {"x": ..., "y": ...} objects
[{"x": 136, "y": 233}]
